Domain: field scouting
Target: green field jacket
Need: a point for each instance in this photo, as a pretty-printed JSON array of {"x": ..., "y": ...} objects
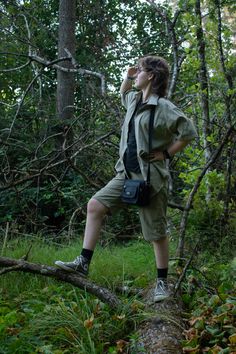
[{"x": 170, "y": 124}]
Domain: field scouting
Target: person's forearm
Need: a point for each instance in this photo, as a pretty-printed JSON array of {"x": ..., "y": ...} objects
[
  {"x": 126, "y": 85},
  {"x": 157, "y": 155},
  {"x": 178, "y": 146}
]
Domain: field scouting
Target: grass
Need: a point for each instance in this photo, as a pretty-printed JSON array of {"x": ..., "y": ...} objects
[
  {"x": 40, "y": 315},
  {"x": 114, "y": 265}
]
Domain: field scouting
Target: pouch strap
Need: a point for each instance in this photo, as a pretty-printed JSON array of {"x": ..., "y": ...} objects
[{"x": 150, "y": 130}]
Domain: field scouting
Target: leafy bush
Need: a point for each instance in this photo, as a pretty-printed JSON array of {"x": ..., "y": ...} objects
[{"x": 212, "y": 325}]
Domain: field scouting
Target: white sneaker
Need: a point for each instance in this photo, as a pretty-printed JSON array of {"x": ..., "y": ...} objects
[{"x": 161, "y": 291}]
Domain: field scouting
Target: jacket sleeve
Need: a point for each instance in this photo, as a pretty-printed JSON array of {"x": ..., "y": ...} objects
[
  {"x": 181, "y": 126},
  {"x": 127, "y": 97},
  {"x": 185, "y": 129}
]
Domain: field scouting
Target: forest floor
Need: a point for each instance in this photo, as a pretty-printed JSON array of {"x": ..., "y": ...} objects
[{"x": 42, "y": 315}]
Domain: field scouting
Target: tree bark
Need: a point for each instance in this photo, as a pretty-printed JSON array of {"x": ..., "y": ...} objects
[
  {"x": 227, "y": 75},
  {"x": 228, "y": 100},
  {"x": 66, "y": 46},
  {"x": 10, "y": 265},
  {"x": 203, "y": 79},
  {"x": 228, "y": 178},
  {"x": 162, "y": 331}
]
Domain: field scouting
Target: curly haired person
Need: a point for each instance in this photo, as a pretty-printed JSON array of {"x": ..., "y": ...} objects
[{"x": 144, "y": 86}]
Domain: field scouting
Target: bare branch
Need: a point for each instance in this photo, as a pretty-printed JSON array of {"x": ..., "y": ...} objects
[
  {"x": 17, "y": 68},
  {"x": 22, "y": 101},
  {"x": 9, "y": 269},
  {"x": 177, "y": 285},
  {"x": 20, "y": 265},
  {"x": 54, "y": 65},
  {"x": 52, "y": 165}
]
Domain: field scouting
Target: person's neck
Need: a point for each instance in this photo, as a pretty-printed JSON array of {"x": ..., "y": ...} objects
[{"x": 146, "y": 93}]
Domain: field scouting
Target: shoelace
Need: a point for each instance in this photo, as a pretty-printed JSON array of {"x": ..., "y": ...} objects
[
  {"x": 80, "y": 260},
  {"x": 161, "y": 286}
]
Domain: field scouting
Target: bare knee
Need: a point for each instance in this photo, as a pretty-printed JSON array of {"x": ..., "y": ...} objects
[{"x": 96, "y": 208}]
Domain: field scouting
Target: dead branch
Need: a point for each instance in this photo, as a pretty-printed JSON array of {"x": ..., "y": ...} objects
[
  {"x": 54, "y": 65},
  {"x": 103, "y": 294},
  {"x": 52, "y": 165},
  {"x": 9, "y": 269},
  {"x": 182, "y": 275},
  {"x": 5, "y": 238}
]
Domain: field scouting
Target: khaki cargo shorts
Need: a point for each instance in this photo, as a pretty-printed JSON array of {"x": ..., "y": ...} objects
[{"x": 152, "y": 217}]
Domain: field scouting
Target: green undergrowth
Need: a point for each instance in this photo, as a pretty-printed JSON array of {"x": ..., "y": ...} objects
[
  {"x": 40, "y": 315},
  {"x": 210, "y": 296}
]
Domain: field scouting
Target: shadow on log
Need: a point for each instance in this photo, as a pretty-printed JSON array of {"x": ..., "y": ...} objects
[{"x": 11, "y": 265}]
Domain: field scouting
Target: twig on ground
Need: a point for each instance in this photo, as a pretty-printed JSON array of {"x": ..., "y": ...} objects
[{"x": 5, "y": 238}]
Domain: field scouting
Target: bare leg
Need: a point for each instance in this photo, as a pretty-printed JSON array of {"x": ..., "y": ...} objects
[
  {"x": 161, "y": 251},
  {"x": 95, "y": 214}
]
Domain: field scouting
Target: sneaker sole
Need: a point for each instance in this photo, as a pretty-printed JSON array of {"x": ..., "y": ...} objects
[
  {"x": 160, "y": 298},
  {"x": 68, "y": 269}
]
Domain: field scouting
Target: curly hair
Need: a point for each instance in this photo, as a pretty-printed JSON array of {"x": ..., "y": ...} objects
[{"x": 160, "y": 69}]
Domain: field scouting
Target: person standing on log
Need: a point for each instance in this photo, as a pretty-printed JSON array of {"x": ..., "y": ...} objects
[{"x": 172, "y": 131}]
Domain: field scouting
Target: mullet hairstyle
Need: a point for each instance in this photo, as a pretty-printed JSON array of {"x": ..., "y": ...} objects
[{"x": 160, "y": 70}]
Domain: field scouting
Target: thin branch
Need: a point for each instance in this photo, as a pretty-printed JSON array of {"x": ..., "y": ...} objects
[
  {"x": 9, "y": 269},
  {"x": 5, "y": 238},
  {"x": 22, "y": 101},
  {"x": 17, "y": 68},
  {"x": 188, "y": 206},
  {"x": 52, "y": 165},
  {"x": 177, "y": 285}
]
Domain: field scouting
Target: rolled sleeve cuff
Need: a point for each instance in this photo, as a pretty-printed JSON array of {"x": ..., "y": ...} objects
[{"x": 186, "y": 129}]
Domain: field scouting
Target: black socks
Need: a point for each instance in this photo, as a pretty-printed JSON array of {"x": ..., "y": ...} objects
[
  {"x": 88, "y": 254},
  {"x": 162, "y": 273}
]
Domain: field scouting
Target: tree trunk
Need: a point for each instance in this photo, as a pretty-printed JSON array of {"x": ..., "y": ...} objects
[
  {"x": 228, "y": 77},
  {"x": 66, "y": 46},
  {"x": 228, "y": 104},
  {"x": 203, "y": 79}
]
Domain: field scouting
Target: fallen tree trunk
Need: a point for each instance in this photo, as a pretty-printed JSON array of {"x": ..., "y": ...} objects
[
  {"x": 162, "y": 332},
  {"x": 11, "y": 265}
]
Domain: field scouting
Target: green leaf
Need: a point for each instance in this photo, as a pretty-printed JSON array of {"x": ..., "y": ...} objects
[{"x": 213, "y": 330}]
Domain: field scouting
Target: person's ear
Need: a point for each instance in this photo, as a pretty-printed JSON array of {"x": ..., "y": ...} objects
[{"x": 150, "y": 77}]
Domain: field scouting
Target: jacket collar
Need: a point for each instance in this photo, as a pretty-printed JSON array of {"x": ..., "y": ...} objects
[{"x": 152, "y": 99}]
